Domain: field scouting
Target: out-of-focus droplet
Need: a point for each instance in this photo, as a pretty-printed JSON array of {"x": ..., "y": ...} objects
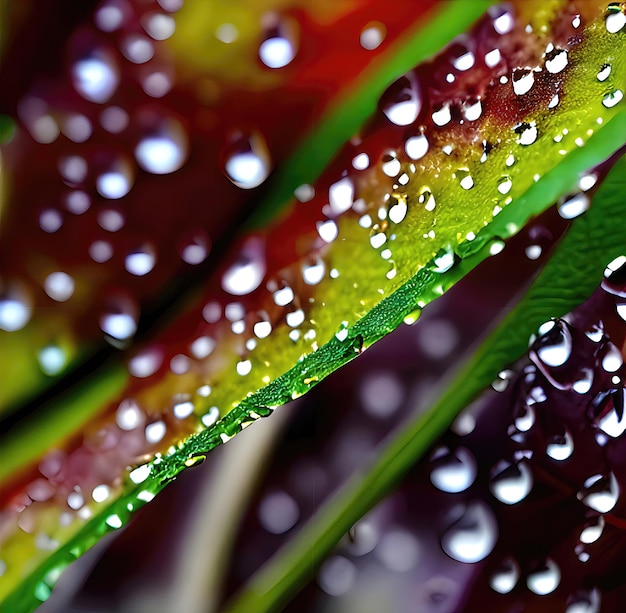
[
  {"x": 472, "y": 537},
  {"x": 119, "y": 318},
  {"x": 15, "y": 307},
  {"x": 544, "y": 580},
  {"x": 600, "y": 493},
  {"x": 453, "y": 471},
  {"x": 246, "y": 160},
  {"x": 247, "y": 273},
  {"x": 372, "y": 35},
  {"x": 280, "y": 44},
  {"x": 505, "y": 577},
  {"x": 164, "y": 147},
  {"x": 96, "y": 76}
]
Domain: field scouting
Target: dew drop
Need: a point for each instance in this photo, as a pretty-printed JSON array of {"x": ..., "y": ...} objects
[
  {"x": 505, "y": 577},
  {"x": 52, "y": 359},
  {"x": 114, "y": 119},
  {"x": 444, "y": 260},
  {"x": 561, "y": 447},
  {"x": 556, "y": 62},
  {"x": 341, "y": 196},
  {"x": 360, "y": 162},
  {"x": 164, "y": 148},
  {"x": 119, "y": 319},
  {"x": 115, "y": 182},
  {"x": 140, "y": 261},
  {"x": 158, "y": 25},
  {"x": 613, "y": 98},
  {"x": 183, "y": 409},
  {"x": 247, "y": 273},
  {"x": 612, "y": 360},
  {"x": 145, "y": 363},
  {"x": 77, "y": 202},
  {"x": 473, "y": 111},
  {"x": 492, "y": 58},
  {"x": 372, "y": 35},
  {"x": 279, "y": 47},
  {"x": 545, "y": 579},
  {"x": 96, "y": 77},
  {"x": 50, "y": 221},
  {"x": 337, "y": 575},
  {"x": 527, "y": 134},
  {"x": 591, "y": 533},
  {"x": 100, "y": 251},
  {"x": 503, "y": 24},
  {"x": 473, "y": 536},
  {"x": 554, "y": 347},
  {"x": 511, "y": 483},
  {"x": 402, "y": 101},
  {"x": 442, "y": 116},
  {"x": 327, "y": 230},
  {"x": 604, "y": 73},
  {"x": 155, "y": 432},
  {"x": 505, "y": 184},
  {"x": 313, "y": 274},
  {"x": 416, "y": 147},
  {"x": 129, "y": 415},
  {"x": 615, "y": 21},
  {"x": 524, "y": 82},
  {"x": 59, "y": 286},
  {"x": 195, "y": 248},
  {"x": 137, "y": 48},
  {"x": 247, "y": 161},
  {"x": 574, "y": 206},
  {"x": 584, "y": 602},
  {"x": 614, "y": 422},
  {"x": 453, "y": 471},
  {"x": 278, "y": 512},
  {"x": 600, "y": 493}
]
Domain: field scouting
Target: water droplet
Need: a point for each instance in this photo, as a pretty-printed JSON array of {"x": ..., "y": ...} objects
[
  {"x": 312, "y": 274},
  {"x": 545, "y": 579},
  {"x": 402, "y": 101},
  {"x": 183, "y": 409},
  {"x": 140, "y": 261},
  {"x": 137, "y": 48},
  {"x": 503, "y": 24},
  {"x": 398, "y": 211},
  {"x": 279, "y": 47},
  {"x": 525, "y": 421},
  {"x": 278, "y": 512},
  {"x": 556, "y": 61},
  {"x": 473, "y": 111},
  {"x": 50, "y": 220},
  {"x": 553, "y": 347},
  {"x": 158, "y": 25},
  {"x": 211, "y": 417},
  {"x": 247, "y": 161},
  {"x": 613, "y": 98},
  {"x": 262, "y": 329},
  {"x": 327, "y": 230},
  {"x": 584, "y": 602},
  {"x": 59, "y": 286},
  {"x": 615, "y": 21},
  {"x": 129, "y": 416},
  {"x": 195, "y": 248},
  {"x": 52, "y": 359},
  {"x": 492, "y": 58},
  {"x": 341, "y": 196},
  {"x": 472, "y": 537},
  {"x": 372, "y": 35},
  {"x": 527, "y": 133},
  {"x": 155, "y": 432},
  {"x": 467, "y": 182},
  {"x": 114, "y": 119},
  {"x": 604, "y": 73},
  {"x": 145, "y": 363},
  {"x": 117, "y": 181},
  {"x": 592, "y": 532},
  {"x": 464, "y": 62},
  {"x": 506, "y": 577},
  {"x": 416, "y": 147},
  {"x": 247, "y": 273},
  {"x": 612, "y": 359},
  {"x": 561, "y": 447},
  {"x": 360, "y": 162},
  {"x": 96, "y": 77},
  {"x": 505, "y": 184},
  {"x": 511, "y": 483},
  {"x": 574, "y": 206},
  {"x": 398, "y": 550},
  {"x": 600, "y": 493},
  {"x": 454, "y": 471},
  {"x": 444, "y": 260},
  {"x": 523, "y": 81},
  {"x": 337, "y": 575},
  {"x": 614, "y": 422},
  {"x": 119, "y": 319},
  {"x": 442, "y": 116},
  {"x": 163, "y": 149}
]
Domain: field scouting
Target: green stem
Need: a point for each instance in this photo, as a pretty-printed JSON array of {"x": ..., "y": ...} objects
[{"x": 576, "y": 266}]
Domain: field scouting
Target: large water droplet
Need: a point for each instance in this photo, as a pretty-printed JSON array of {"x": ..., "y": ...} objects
[
  {"x": 453, "y": 471},
  {"x": 247, "y": 161},
  {"x": 402, "y": 102},
  {"x": 600, "y": 493},
  {"x": 164, "y": 147},
  {"x": 473, "y": 536},
  {"x": 545, "y": 579},
  {"x": 247, "y": 273},
  {"x": 511, "y": 483},
  {"x": 96, "y": 77},
  {"x": 554, "y": 347},
  {"x": 584, "y": 602}
]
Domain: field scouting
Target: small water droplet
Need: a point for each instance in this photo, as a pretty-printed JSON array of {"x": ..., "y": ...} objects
[
  {"x": 553, "y": 347},
  {"x": 96, "y": 77},
  {"x": 527, "y": 133},
  {"x": 59, "y": 286},
  {"x": 341, "y": 196},
  {"x": 129, "y": 416},
  {"x": 561, "y": 447},
  {"x": 372, "y": 35},
  {"x": 52, "y": 360},
  {"x": 600, "y": 493},
  {"x": 247, "y": 273},
  {"x": 556, "y": 61},
  {"x": 464, "y": 62},
  {"x": 442, "y": 116},
  {"x": 613, "y": 98},
  {"x": 402, "y": 101},
  {"x": 247, "y": 162},
  {"x": 119, "y": 318},
  {"x": 592, "y": 532},
  {"x": 116, "y": 181},
  {"x": 523, "y": 81},
  {"x": 444, "y": 260},
  {"x": 615, "y": 21},
  {"x": 545, "y": 579},
  {"x": 140, "y": 261},
  {"x": 584, "y": 602},
  {"x": 604, "y": 72},
  {"x": 472, "y": 537},
  {"x": 612, "y": 359},
  {"x": 453, "y": 471},
  {"x": 416, "y": 147},
  {"x": 280, "y": 43},
  {"x": 158, "y": 25},
  {"x": 505, "y": 577},
  {"x": 574, "y": 206},
  {"x": 163, "y": 149},
  {"x": 511, "y": 483}
]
